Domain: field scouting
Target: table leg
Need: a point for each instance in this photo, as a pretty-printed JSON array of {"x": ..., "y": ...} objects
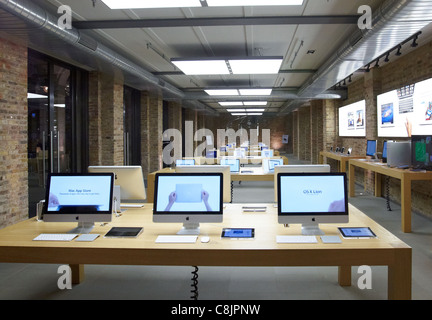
[
  {"x": 378, "y": 184},
  {"x": 399, "y": 276},
  {"x": 351, "y": 180},
  {"x": 344, "y": 276},
  {"x": 77, "y": 273},
  {"x": 342, "y": 166},
  {"x": 406, "y": 204}
]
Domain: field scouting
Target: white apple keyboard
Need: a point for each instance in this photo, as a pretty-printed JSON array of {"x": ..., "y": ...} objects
[
  {"x": 296, "y": 239},
  {"x": 56, "y": 237},
  {"x": 176, "y": 239}
]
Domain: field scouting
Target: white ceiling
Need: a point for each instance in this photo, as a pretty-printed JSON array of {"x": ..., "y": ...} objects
[{"x": 152, "y": 48}]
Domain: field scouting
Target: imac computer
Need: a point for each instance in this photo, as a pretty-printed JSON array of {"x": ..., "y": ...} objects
[
  {"x": 311, "y": 199},
  {"x": 421, "y": 152},
  {"x": 298, "y": 168},
  {"x": 371, "y": 148},
  {"x": 399, "y": 154},
  {"x": 239, "y": 153},
  {"x": 80, "y": 198},
  {"x": 269, "y": 164},
  {"x": 225, "y": 170},
  {"x": 384, "y": 152},
  {"x": 188, "y": 198},
  {"x": 268, "y": 153},
  {"x": 233, "y": 163},
  {"x": 129, "y": 178},
  {"x": 211, "y": 154},
  {"x": 185, "y": 162}
]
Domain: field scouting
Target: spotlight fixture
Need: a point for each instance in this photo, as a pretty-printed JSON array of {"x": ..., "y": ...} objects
[
  {"x": 387, "y": 57},
  {"x": 350, "y": 78},
  {"x": 414, "y": 43},
  {"x": 399, "y": 53},
  {"x": 377, "y": 63},
  {"x": 368, "y": 68}
]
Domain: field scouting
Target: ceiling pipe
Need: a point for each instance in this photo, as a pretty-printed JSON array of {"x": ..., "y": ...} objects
[
  {"x": 41, "y": 19},
  {"x": 393, "y": 22}
]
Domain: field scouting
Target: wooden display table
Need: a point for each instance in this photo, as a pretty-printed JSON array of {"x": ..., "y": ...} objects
[
  {"x": 17, "y": 246},
  {"x": 342, "y": 159},
  {"x": 404, "y": 175}
]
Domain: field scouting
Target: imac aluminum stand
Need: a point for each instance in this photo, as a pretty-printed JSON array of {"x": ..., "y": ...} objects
[
  {"x": 311, "y": 229},
  {"x": 190, "y": 229},
  {"x": 83, "y": 227}
]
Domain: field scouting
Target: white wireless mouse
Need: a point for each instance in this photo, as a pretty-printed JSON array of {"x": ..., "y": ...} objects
[{"x": 205, "y": 239}]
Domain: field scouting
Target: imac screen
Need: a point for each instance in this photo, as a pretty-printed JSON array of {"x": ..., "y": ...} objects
[
  {"x": 188, "y": 193},
  {"x": 421, "y": 148},
  {"x": 312, "y": 193},
  {"x": 233, "y": 163},
  {"x": 371, "y": 148},
  {"x": 274, "y": 162},
  {"x": 211, "y": 154},
  {"x": 70, "y": 193},
  {"x": 267, "y": 153},
  {"x": 384, "y": 153}
]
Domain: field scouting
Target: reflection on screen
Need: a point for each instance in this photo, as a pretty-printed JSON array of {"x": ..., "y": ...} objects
[
  {"x": 312, "y": 194},
  {"x": 184, "y": 193},
  {"x": 79, "y": 193}
]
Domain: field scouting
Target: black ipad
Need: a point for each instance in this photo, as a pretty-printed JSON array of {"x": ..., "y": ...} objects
[
  {"x": 124, "y": 232},
  {"x": 238, "y": 233},
  {"x": 357, "y": 233}
]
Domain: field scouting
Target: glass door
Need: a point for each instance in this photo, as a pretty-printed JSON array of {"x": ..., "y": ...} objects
[
  {"x": 132, "y": 126},
  {"x": 60, "y": 120},
  {"x": 56, "y": 123}
]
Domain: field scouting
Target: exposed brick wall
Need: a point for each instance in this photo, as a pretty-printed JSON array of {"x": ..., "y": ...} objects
[
  {"x": 13, "y": 134},
  {"x": 304, "y": 136},
  {"x": 105, "y": 120},
  {"x": 151, "y": 132},
  {"x": 408, "y": 69}
]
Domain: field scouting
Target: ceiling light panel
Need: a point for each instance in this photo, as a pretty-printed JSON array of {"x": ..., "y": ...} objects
[
  {"x": 232, "y": 3},
  {"x": 255, "y": 92},
  {"x": 236, "y": 110},
  {"x": 255, "y": 103},
  {"x": 147, "y": 4},
  {"x": 222, "y": 92},
  {"x": 222, "y": 66},
  {"x": 231, "y": 104},
  {"x": 255, "y": 66},
  {"x": 202, "y": 67}
]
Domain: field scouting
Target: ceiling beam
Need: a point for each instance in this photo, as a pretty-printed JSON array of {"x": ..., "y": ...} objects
[{"x": 211, "y": 22}]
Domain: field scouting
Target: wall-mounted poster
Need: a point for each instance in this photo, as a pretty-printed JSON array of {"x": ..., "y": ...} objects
[
  {"x": 352, "y": 120},
  {"x": 406, "y": 111}
]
